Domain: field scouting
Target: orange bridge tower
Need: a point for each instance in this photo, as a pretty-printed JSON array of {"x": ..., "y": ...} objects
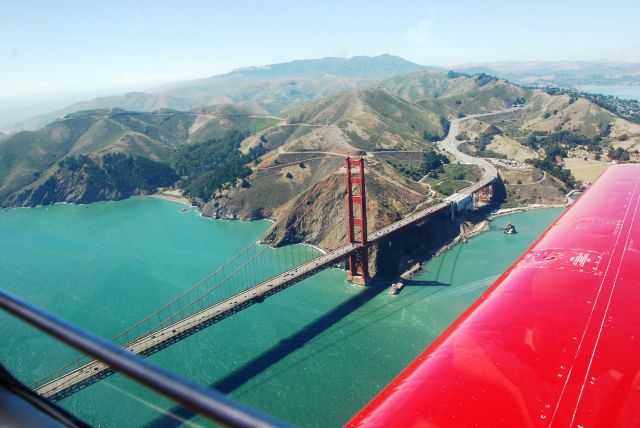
[{"x": 357, "y": 219}]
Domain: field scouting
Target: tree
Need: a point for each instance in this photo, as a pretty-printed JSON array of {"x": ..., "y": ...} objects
[
  {"x": 432, "y": 161},
  {"x": 463, "y": 136},
  {"x": 430, "y": 137},
  {"x": 618, "y": 154},
  {"x": 207, "y": 166}
]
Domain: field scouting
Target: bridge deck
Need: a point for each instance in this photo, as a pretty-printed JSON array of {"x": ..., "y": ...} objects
[
  {"x": 148, "y": 344},
  {"x": 152, "y": 342}
]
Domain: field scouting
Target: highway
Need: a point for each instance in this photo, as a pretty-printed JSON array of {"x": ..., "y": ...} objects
[{"x": 450, "y": 145}]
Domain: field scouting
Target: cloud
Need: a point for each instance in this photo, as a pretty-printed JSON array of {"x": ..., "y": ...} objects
[{"x": 421, "y": 34}]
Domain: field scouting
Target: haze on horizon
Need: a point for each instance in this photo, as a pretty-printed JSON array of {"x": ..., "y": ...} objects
[{"x": 59, "y": 52}]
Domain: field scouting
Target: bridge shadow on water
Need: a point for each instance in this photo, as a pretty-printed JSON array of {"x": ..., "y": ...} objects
[
  {"x": 275, "y": 354},
  {"x": 177, "y": 416}
]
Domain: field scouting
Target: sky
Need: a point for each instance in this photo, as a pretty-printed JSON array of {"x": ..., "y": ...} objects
[{"x": 68, "y": 48}]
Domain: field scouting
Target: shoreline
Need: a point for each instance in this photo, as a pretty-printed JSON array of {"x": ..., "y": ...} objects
[
  {"x": 508, "y": 211},
  {"x": 315, "y": 247},
  {"x": 481, "y": 227},
  {"x": 179, "y": 199}
]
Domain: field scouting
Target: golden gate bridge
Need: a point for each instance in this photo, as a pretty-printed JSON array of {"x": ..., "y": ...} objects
[{"x": 256, "y": 273}]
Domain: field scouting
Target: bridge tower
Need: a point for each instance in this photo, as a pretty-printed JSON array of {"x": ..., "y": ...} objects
[{"x": 357, "y": 219}]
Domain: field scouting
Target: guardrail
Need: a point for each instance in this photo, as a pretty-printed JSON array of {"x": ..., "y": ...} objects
[{"x": 204, "y": 401}]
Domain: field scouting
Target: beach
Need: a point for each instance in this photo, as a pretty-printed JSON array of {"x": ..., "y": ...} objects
[{"x": 171, "y": 195}]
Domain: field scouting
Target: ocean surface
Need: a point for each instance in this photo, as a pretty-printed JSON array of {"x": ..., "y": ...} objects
[
  {"x": 311, "y": 355},
  {"x": 620, "y": 91}
]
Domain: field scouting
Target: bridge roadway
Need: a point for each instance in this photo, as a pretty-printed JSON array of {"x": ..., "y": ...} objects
[
  {"x": 148, "y": 344},
  {"x": 96, "y": 370}
]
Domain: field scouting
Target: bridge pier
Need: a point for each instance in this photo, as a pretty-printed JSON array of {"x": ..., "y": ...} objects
[
  {"x": 471, "y": 201},
  {"x": 358, "y": 262},
  {"x": 483, "y": 196}
]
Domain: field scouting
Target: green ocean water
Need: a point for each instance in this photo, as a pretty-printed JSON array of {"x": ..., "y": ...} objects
[{"x": 311, "y": 355}]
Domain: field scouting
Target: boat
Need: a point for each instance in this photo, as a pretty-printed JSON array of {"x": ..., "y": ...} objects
[
  {"x": 510, "y": 229},
  {"x": 184, "y": 210},
  {"x": 395, "y": 288}
]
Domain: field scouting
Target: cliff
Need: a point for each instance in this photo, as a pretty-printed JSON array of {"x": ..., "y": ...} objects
[
  {"x": 318, "y": 217},
  {"x": 79, "y": 187},
  {"x": 82, "y": 180}
]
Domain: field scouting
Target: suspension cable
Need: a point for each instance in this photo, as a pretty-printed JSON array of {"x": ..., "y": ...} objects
[
  {"x": 298, "y": 220},
  {"x": 198, "y": 284}
]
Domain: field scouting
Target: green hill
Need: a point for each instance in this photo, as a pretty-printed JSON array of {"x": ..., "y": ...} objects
[
  {"x": 314, "y": 140},
  {"x": 29, "y": 158}
]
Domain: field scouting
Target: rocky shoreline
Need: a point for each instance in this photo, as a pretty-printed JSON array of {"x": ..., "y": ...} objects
[
  {"x": 478, "y": 228},
  {"x": 509, "y": 211}
]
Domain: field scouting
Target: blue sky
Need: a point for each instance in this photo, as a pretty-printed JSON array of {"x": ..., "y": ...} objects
[{"x": 74, "y": 47}]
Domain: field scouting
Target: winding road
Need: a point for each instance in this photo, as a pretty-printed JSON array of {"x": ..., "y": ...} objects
[{"x": 450, "y": 144}]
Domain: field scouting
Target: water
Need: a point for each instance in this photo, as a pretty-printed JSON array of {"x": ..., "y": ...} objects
[
  {"x": 312, "y": 355},
  {"x": 621, "y": 91}
]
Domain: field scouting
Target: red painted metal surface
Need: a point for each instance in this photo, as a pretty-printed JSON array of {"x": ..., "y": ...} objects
[
  {"x": 554, "y": 342},
  {"x": 356, "y": 195}
]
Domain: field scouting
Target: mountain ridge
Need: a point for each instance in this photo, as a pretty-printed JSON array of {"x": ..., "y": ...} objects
[
  {"x": 291, "y": 83},
  {"x": 403, "y": 113}
]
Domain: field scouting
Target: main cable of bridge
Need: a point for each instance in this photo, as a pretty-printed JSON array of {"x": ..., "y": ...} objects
[
  {"x": 79, "y": 376},
  {"x": 250, "y": 277}
]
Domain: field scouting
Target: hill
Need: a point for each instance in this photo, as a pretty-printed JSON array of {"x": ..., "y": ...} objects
[
  {"x": 236, "y": 162},
  {"x": 352, "y": 122},
  {"x": 267, "y": 89},
  {"x": 402, "y": 113},
  {"x": 381, "y": 66},
  {"x": 315, "y": 140},
  {"x": 455, "y": 93},
  {"x": 29, "y": 158}
]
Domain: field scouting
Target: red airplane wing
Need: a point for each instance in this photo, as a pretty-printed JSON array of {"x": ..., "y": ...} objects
[{"x": 554, "y": 342}]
